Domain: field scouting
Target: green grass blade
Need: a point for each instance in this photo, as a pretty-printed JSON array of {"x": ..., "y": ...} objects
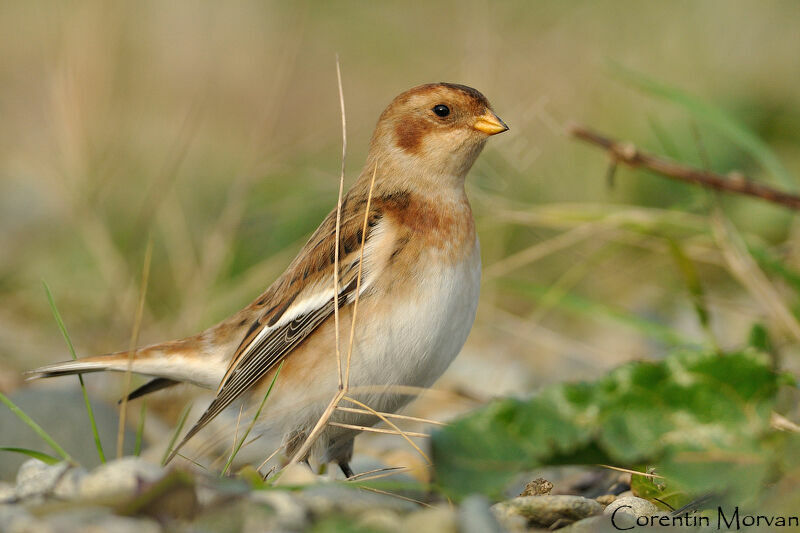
[
  {"x": 715, "y": 117},
  {"x": 43, "y": 457},
  {"x": 89, "y": 411},
  {"x": 252, "y": 422},
  {"x": 36, "y": 428},
  {"x": 178, "y": 429},
  {"x": 137, "y": 448}
]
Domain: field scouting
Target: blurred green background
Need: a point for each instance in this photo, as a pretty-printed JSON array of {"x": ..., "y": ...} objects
[{"x": 215, "y": 128}]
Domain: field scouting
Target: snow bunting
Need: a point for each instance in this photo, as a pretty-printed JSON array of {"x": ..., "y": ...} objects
[{"x": 417, "y": 281}]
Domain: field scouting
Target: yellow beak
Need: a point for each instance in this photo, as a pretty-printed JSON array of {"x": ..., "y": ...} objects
[{"x": 490, "y": 124}]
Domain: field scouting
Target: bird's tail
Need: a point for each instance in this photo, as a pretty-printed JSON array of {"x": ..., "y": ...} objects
[{"x": 171, "y": 362}]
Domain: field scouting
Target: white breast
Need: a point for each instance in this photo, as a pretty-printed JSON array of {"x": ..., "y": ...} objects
[{"x": 422, "y": 333}]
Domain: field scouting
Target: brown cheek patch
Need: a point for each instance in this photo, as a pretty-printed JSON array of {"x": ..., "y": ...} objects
[{"x": 409, "y": 134}]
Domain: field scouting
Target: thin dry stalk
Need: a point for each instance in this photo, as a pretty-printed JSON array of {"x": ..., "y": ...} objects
[
  {"x": 236, "y": 431},
  {"x": 339, "y": 225},
  {"x": 148, "y": 256},
  {"x": 269, "y": 457},
  {"x": 379, "y": 430},
  {"x": 318, "y": 427},
  {"x": 392, "y": 415},
  {"x": 378, "y": 473},
  {"x": 392, "y": 425},
  {"x": 747, "y": 272},
  {"x": 406, "y": 498},
  {"x": 358, "y": 278},
  {"x": 632, "y": 472}
]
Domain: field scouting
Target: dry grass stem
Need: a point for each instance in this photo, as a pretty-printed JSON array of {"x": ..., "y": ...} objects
[
  {"x": 393, "y": 415},
  {"x": 339, "y": 225},
  {"x": 358, "y": 278},
  {"x": 378, "y": 473},
  {"x": 379, "y": 430},
  {"x": 137, "y": 323},
  {"x": 747, "y": 272},
  {"x": 269, "y": 457},
  {"x": 390, "y": 424},
  {"x": 632, "y": 472}
]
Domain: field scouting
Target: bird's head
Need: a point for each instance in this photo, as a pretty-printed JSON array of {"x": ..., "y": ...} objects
[{"x": 435, "y": 130}]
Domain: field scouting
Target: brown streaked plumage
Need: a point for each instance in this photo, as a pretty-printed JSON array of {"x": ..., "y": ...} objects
[{"x": 418, "y": 291}]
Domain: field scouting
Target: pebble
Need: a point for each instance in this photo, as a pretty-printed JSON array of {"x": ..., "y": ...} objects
[
  {"x": 605, "y": 499},
  {"x": 296, "y": 475},
  {"x": 289, "y": 512},
  {"x": 431, "y": 520},
  {"x": 475, "y": 516},
  {"x": 36, "y": 478},
  {"x": 68, "y": 486},
  {"x": 118, "y": 479},
  {"x": 545, "y": 511},
  {"x": 8, "y": 492},
  {"x": 95, "y": 520},
  {"x": 538, "y": 487},
  {"x": 15, "y": 518},
  {"x": 631, "y": 505},
  {"x": 593, "y": 524},
  {"x": 327, "y": 498},
  {"x": 384, "y": 520}
]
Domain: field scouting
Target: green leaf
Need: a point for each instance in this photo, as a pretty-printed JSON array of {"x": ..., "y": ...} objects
[
  {"x": 43, "y": 457},
  {"x": 658, "y": 490},
  {"x": 703, "y": 417},
  {"x": 715, "y": 117}
]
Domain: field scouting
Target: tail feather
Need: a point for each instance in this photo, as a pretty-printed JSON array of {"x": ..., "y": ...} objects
[
  {"x": 77, "y": 366},
  {"x": 169, "y": 362}
]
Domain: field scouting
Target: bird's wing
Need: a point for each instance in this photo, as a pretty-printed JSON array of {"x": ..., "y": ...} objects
[{"x": 301, "y": 300}]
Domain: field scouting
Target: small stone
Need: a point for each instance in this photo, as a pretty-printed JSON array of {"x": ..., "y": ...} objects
[
  {"x": 593, "y": 524},
  {"x": 289, "y": 512},
  {"x": 296, "y": 474},
  {"x": 324, "y": 499},
  {"x": 68, "y": 486},
  {"x": 97, "y": 520},
  {"x": 8, "y": 492},
  {"x": 118, "y": 479},
  {"x": 15, "y": 518},
  {"x": 625, "y": 494},
  {"x": 544, "y": 511},
  {"x": 431, "y": 520},
  {"x": 538, "y": 487},
  {"x": 605, "y": 499},
  {"x": 384, "y": 520},
  {"x": 36, "y": 478},
  {"x": 631, "y": 505},
  {"x": 475, "y": 516}
]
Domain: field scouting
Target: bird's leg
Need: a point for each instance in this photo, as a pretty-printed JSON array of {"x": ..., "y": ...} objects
[{"x": 346, "y": 470}]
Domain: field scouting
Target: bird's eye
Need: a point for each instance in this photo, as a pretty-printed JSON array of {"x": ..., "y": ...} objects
[{"x": 441, "y": 110}]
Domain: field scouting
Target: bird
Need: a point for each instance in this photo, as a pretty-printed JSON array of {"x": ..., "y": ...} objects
[{"x": 408, "y": 257}]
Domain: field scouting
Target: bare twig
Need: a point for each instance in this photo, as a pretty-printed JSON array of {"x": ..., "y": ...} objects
[{"x": 736, "y": 183}]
